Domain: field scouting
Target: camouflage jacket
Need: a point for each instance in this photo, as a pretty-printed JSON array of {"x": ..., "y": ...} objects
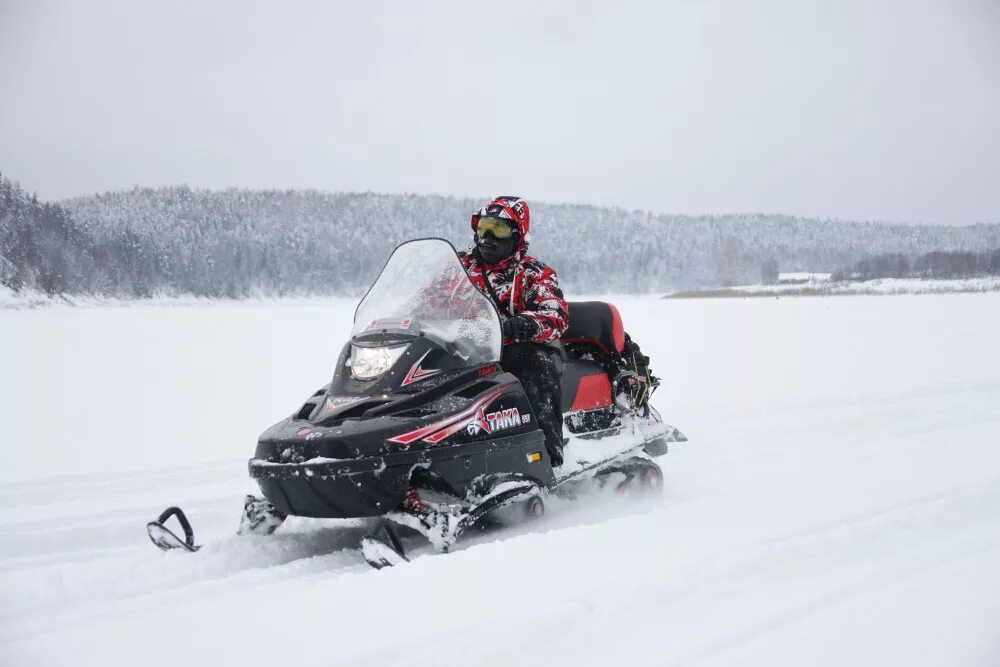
[{"x": 524, "y": 286}]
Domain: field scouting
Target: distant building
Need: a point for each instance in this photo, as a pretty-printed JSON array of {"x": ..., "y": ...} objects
[{"x": 803, "y": 278}]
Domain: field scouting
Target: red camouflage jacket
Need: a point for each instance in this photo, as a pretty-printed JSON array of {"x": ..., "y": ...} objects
[{"x": 524, "y": 286}]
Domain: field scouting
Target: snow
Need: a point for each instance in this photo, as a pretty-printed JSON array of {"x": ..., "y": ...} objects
[
  {"x": 581, "y": 453},
  {"x": 880, "y": 287},
  {"x": 26, "y": 298},
  {"x": 801, "y": 277},
  {"x": 838, "y": 501}
]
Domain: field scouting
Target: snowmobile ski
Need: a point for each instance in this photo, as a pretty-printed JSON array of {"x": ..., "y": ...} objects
[
  {"x": 442, "y": 525},
  {"x": 165, "y": 539},
  {"x": 382, "y": 552},
  {"x": 260, "y": 517}
]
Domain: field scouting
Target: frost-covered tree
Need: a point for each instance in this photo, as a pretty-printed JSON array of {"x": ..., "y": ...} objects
[
  {"x": 42, "y": 246},
  {"x": 235, "y": 243}
]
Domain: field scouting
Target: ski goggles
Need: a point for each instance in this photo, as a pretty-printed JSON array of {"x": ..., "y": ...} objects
[{"x": 498, "y": 227}]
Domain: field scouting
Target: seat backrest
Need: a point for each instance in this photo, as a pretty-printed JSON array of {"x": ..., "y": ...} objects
[{"x": 595, "y": 323}]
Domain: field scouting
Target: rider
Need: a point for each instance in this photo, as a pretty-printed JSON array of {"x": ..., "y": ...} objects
[{"x": 531, "y": 305}]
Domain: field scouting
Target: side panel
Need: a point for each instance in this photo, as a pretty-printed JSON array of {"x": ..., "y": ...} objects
[
  {"x": 522, "y": 454},
  {"x": 585, "y": 386},
  {"x": 374, "y": 486}
]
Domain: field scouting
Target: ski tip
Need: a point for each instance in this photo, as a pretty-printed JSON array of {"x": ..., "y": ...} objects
[{"x": 380, "y": 554}]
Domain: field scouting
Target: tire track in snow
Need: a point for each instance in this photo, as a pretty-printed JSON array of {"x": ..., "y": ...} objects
[
  {"x": 976, "y": 539},
  {"x": 57, "y": 596},
  {"x": 835, "y": 561}
]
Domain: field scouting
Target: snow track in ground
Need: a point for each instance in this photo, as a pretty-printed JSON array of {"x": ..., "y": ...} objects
[{"x": 839, "y": 501}]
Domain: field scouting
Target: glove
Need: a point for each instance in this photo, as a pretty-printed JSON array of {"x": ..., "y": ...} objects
[{"x": 519, "y": 328}]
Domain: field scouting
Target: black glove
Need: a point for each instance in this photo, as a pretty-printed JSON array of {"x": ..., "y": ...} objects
[{"x": 519, "y": 328}]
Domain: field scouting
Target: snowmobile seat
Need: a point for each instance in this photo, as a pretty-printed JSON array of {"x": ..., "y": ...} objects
[{"x": 595, "y": 323}]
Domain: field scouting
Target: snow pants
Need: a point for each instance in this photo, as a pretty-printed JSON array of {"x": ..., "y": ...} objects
[{"x": 539, "y": 368}]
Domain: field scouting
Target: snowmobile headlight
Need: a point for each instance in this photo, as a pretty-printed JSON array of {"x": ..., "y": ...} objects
[{"x": 367, "y": 363}]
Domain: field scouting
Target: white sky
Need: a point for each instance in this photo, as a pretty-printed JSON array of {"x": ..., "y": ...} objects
[{"x": 871, "y": 110}]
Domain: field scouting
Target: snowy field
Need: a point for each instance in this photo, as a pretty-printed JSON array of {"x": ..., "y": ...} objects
[
  {"x": 838, "y": 502},
  {"x": 878, "y": 287}
]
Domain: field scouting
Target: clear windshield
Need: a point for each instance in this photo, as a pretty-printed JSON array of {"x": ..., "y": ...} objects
[{"x": 424, "y": 287}]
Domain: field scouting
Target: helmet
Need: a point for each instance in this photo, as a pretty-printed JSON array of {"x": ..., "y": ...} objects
[
  {"x": 512, "y": 210},
  {"x": 509, "y": 208}
]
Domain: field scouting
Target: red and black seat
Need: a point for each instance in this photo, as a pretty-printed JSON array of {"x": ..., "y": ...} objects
[
  {"x": 595, "y": 323},
  {"x": 585, "y": 383}
]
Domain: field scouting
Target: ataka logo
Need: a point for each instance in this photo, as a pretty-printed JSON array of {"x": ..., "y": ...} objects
[{"x": 491, "y": 422}]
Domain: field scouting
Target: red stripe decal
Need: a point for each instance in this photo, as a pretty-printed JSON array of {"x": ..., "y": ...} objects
[
  {"x": 417, "y": 373},
  {"x": 430, "y": 433}
]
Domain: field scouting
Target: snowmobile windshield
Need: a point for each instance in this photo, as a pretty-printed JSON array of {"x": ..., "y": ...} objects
[{"x": 424, "y": 289}]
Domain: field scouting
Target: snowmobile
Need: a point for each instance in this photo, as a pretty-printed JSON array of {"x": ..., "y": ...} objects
[{"x": 421, "y": 428}]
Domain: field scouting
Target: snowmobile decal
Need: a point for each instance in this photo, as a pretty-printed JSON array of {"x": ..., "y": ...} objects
[
  {"x": 438, "y": 431},
  {"x": 390, "y": 324},
  {"x": 417, "y": 373},
  {"x": 491, "y": 422}
]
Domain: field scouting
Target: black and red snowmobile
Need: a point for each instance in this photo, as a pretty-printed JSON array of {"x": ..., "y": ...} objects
[{"x": 420, "y": 427}]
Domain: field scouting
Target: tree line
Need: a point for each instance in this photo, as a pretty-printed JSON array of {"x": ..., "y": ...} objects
[
  {"x": 936, "y": 264},
  {"x": 43, "y": 247},
  {"x": 237, "y": 243}
]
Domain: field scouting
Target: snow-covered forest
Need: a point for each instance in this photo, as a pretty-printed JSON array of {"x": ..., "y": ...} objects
[
  {"x": 936, "y": 264},
  {"x": 236, "y": 243}
]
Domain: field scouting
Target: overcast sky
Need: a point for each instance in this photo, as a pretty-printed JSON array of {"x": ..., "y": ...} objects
[{"x": 844, "y": 108}]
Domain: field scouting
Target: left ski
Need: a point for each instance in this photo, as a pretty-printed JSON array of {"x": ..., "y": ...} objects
[{"x": 165, "y": 539}]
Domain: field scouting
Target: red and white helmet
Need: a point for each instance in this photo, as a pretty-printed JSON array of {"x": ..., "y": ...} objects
[{"x": 510, "y": 208}]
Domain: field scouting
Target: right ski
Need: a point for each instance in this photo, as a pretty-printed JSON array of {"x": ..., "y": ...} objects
[
  {"x": 380, "y": 552},
  {"x": 259, "y": 517}
]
